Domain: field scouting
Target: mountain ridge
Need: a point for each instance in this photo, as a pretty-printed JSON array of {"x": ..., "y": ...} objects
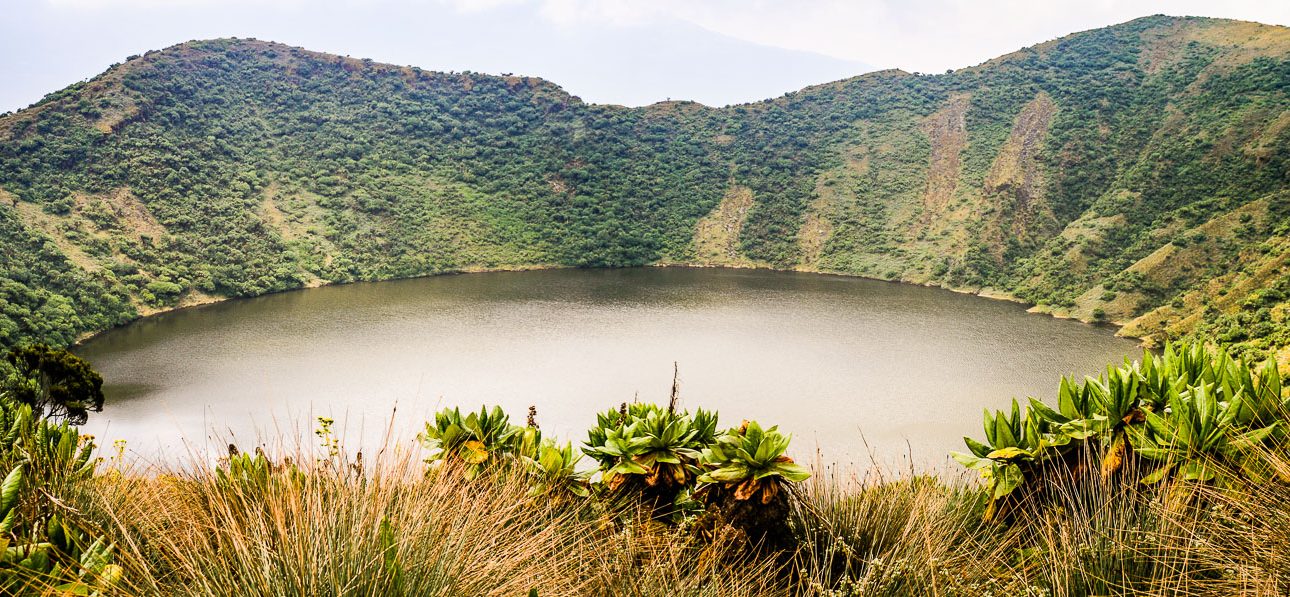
[{"x": 1112, "y": 174}]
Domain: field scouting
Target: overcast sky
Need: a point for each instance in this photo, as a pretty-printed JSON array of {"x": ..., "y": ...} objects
[{"x": 630, "y": 52}]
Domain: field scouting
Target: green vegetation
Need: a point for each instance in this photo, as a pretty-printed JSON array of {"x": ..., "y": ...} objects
[
  {"x": 1163, "y": 476},
  {"x": 44, "y": 541},
  {"x": 53, "y": 382},
  {"x": 476, "y": 442},
  {"x": 746, "y": 482},
  {"x": 487, "y": 442},
  {"x": 1133, "y": 174},
  {"x": 1189, "y": 414},
  {"x": 650, "y": 453}
]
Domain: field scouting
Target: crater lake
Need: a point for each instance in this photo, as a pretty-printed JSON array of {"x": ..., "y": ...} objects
[{"x": 857, "y": 370}]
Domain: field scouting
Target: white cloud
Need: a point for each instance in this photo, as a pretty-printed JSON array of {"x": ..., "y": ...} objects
[
  {"x": 926, "y": 35},
  {"x": 921, "y": 35},
  {"x": 932, "y": 35},
  {"x": 104, "y": 5},
  {"x": 473, "y": 6}
]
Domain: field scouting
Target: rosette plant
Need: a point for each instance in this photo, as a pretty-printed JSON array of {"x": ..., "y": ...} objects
[
  {"x": 1190, "y": 414},
  {"x": 649, "y": 452},
  {"x": 745, "y": 481},
  {"x": 553, "y": 470},
  {"x": 1202, "y": 438},
  {"x": 1103, "y": 408},
  {"x": 1013, "y": 449},
  {"x": 476, "y": 442},
  {"x": 246, "y": 477}
]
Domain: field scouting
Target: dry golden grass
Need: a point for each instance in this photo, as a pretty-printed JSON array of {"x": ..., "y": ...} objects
[
  {"x": 386, "y": 528},
  {"x": 383, "y": 526},
  {"x": 921, "y": 535}
]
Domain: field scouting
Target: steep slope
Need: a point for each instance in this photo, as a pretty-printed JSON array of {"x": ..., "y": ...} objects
[{"x": 1136, "y": 173}]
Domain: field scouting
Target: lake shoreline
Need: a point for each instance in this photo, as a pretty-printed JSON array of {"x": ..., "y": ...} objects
[
  {"x": 580, "y": 340},
  {"x": 989, "y": 293}
]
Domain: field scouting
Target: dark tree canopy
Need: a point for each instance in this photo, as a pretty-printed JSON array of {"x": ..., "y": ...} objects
[{"x": 55, "y": 383}]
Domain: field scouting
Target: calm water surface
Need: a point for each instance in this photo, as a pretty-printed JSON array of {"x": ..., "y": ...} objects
[{"x": 839, "y": 362}]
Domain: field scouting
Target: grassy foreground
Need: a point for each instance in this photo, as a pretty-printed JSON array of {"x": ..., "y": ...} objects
[
  {"x": 391, "y": 530},
  {"x": 478, "y": 506}
]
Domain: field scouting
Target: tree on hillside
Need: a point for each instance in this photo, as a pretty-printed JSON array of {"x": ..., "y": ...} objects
[{"x": 55, "y": 383}]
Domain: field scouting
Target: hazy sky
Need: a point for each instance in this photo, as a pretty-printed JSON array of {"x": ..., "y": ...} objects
[{"x": 613, "y": 51}]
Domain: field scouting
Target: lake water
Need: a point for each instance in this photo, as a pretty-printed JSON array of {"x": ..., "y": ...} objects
[{"x": 851, "y": 367}]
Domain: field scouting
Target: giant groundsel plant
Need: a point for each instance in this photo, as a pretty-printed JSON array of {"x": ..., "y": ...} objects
[
  {"x": 1190, "y": 414},
  {"x": 649, "y": 451}
]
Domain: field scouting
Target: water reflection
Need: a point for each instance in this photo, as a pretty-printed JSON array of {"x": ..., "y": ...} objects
[{"x": 828, "y": 358}]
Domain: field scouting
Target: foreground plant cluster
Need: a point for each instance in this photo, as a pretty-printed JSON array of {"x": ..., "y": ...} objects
[
  {"x": 1187, "y": 414},
  {"x": 1170, "y": 475}
]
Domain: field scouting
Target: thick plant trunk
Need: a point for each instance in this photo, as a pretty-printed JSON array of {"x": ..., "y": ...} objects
[
  {"x": 658, "y": 500},
  {"x": 760, "y": 525}
]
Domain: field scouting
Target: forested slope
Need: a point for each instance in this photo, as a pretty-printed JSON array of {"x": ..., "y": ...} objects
[{"x": 1135, "y": 173}]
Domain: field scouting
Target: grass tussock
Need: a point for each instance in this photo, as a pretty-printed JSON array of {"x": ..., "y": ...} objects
[
  {"x": 923, "y": 535},
  {"x": 333, "y": 527}
]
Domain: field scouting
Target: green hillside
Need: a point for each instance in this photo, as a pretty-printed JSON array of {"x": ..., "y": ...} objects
[{"x": 1137, "y": 173}]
